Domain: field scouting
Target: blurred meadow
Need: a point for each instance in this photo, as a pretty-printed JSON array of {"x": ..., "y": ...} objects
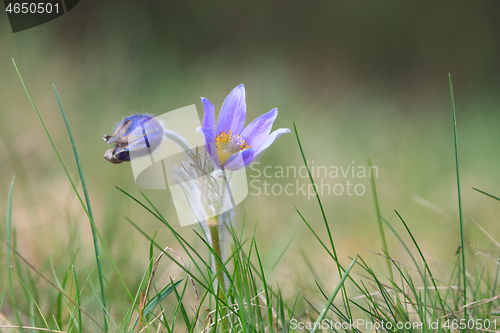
[{"x": 360, "y": 80}]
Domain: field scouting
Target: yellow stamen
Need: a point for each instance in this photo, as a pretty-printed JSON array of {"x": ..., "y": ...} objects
[{"x": 228, "y": 145}]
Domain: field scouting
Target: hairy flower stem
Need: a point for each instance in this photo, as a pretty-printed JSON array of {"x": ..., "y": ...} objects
[
  {"x": 216, "y": 229},
  {"x": 216, "y": 245}
]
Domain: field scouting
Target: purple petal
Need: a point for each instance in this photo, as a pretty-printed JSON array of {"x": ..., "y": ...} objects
[
  {"x": 269, "y": 140},
  {"x": 208, "y": 128},
  {"x": 210, "y": 145},
  {"x": 212, "y": 151},
  {"x": 259, "y": 129},
  {"x": 208, "y": 125},
  {"x": 240, "y": 160},
  {"x": 232, "y": 113}
]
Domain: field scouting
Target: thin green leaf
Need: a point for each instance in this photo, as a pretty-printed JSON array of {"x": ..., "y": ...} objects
[
  {"x": 89, "y": 209},
  {"x": 332, "y": 297},
  {"x": 464, "y": 276}
]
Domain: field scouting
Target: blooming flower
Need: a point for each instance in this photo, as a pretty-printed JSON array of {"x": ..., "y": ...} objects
[
  {"x": 231, "y": 145},
  {"x": 135, "y": 133}
]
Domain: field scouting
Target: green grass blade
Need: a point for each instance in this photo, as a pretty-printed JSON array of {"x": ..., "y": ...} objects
[
  {"x": 53, "y": 145},
  {"x": 464, "y": 276},
  {"x": 158, "y": 298},
  {"x": 32, "y": 314},
  {"x": 266, "y": 291},
  {"x": 310, "y": 266},
  {"x": 9, "y": 254},
  {"x": 336, "y": 310},
  {"x": 109, "y": 318},
  {"x": 425, "y": 264},
  {"x": 316, "y": 192},
  {"x": 38, "y": 308},
  {"x": 331, "y": 254},
  {"x": 62, "y": 287},
  {"x": 89, "y": 209},
  {"x": 490, "y": 195},
  {"x": 280, "y": 256},
  {"x": 151, "y": 255},
  {"x": 404, "y": 245},
  {"x": 134, "y": 307},
  {"x": 325, "y": 220},
  {"x": 50, "y": 139},
  {"x": 291, "y": 313},
  {"x": 185, "y": 245},
  {"x": 194, "y": 277},
  {"x": 21, "y": 276},
  {"x": 379, "y": 217},
  {"x": 180, "y": 298},
  {"x": 332, "y": 297},
  {"x": 39, "y": 273},
  {"x": 78, "y": 301}
]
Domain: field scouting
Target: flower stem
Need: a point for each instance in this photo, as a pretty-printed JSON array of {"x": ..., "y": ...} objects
[
  {"x": 217, "y": 241},
  {"x": 178, "y": 139},
  {"x": 216, "y": 244},
  {"x": 215, "y": 235}
]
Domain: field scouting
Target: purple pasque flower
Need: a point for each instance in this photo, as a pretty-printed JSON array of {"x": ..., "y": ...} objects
[
  {"x": 230, "y": 144},
  {"x": 139, "y": 134}
]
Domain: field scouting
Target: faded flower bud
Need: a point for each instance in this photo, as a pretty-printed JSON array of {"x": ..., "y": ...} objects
[{"x": 138, "y": 133}]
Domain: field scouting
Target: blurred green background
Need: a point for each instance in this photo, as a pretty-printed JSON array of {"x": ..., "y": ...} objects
[{"x": 360, "y": 79}]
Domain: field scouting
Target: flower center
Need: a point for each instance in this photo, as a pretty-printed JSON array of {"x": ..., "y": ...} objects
[{"x": 229, "y": 144}]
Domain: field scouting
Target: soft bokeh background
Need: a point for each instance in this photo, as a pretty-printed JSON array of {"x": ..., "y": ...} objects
[{"x": 360, "y": 79}]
